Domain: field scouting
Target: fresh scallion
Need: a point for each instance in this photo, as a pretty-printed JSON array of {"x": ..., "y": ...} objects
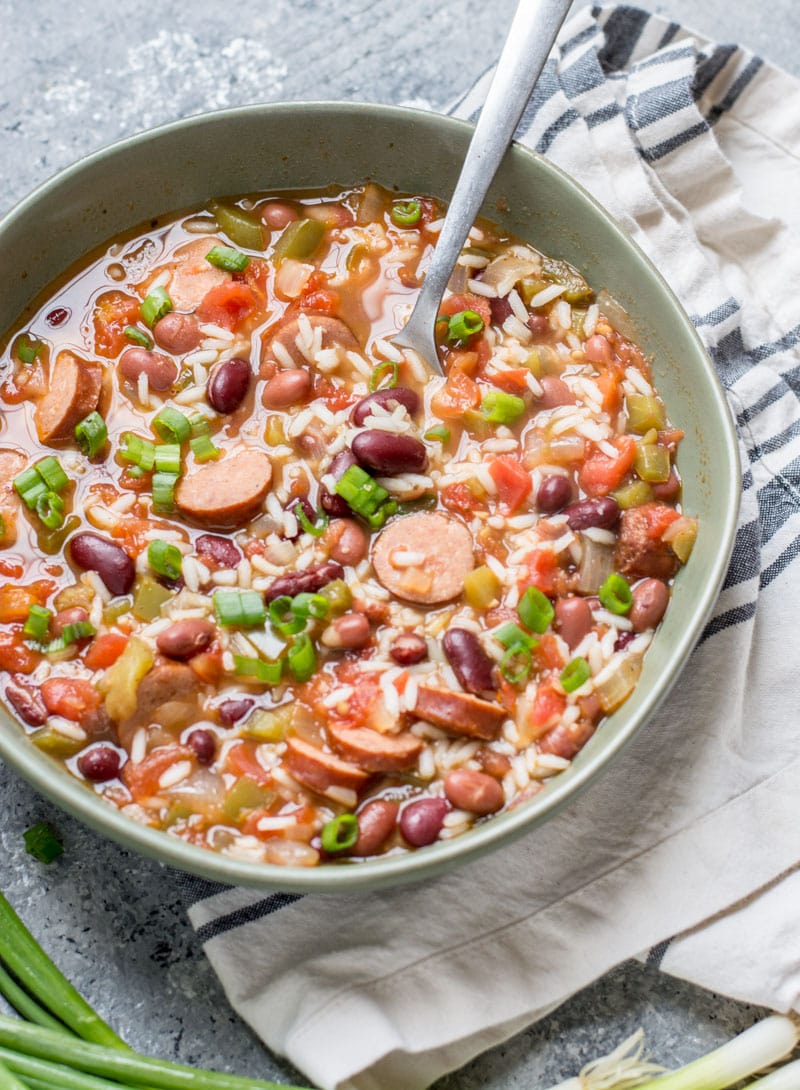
[
  {"x": 405, "y": 213},
  {"x": 576, "y": 673},
  {"x": 302, "y": 658},
  {"x": 163, "y": 492},
  {"x": 37, "y": 622},
  {"x": 515, "y": 664},
  {"x": 28, "y": 348},
  {"x": 49, "y": 469},
  {"x": 316, "y": 528},
  {"x": 462, "y": 326},
  {"x": 385, "y": 376},
  {"x": 511, "y": 635},
  {"x": 91, "y": 434},
  {"x": 615, "y": 594},
  {"x": 155, "y": 305},
  {"x": 269, "y": 673},
  {"x": 366, "y": 497},
  {"x": 50, "y": 509},
  {"x": 203, "y": 448},
  {"x": 138, "y": 451},
  {"x": 137, "y": 337},
  {"x": 165, "y": 559},
  {"x": 535, "y": 610},
  {"x": 171, "y": 425},
  {"x": 168, "y": 458},
  {"x": 498, "y": 407},
  {"x": 72, "y": 633},
  {"x": 42, "y": 843},
  {"x": 199, "y": 425},
  {"x": 240, "y": 608},
  {"x": 225, "y": 257},
  {"x": 29, "y": 486},
  {"x": 439, "y": 434},
  {"x": 282, "y": 617},
  {"x": 339, "y": 834},
  {"x": 315, "y": 606}
]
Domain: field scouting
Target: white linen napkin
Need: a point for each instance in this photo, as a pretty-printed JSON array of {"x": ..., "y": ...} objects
[{"x": 695, "y": 832}]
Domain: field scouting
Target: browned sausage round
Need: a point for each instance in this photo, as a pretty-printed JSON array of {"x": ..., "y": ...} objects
[
  {"x": 186, "y": 638},
  {"x": 193, "y": 276},
  {"x": 650, "y": 599},
  {"x": 459, "y": 713},
  {"x": 474, "y": 791},
  {"x": 166, "y": 681},
  {"x": 375, "y": 752},
  {"x": 334, "y": 334},
  {"x": 573, "y": 620},
  {"x": 639, "y": 555},
  {"x": 376, "y": 821},
  {"x": 177, "y": 333},
  {"x": 424, "y": 557},
  {"x": 73, "y": 393},
  {"x": 227, "y": 493},
  {"x": 318, "y": 770}
]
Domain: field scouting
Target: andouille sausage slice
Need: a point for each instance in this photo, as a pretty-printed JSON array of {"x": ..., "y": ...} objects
[
  {"x": 373, "y": 751},
  {"x": 193, "y": 277},
  {"x": 12, "y": 464},
  {"x": 73, "y": 393},
  {"x": 335, "y": 334},
  {"x": 424, "y": 557},
  {"x": 459, "y": 713},
  {"x": 320, "y": 771},
  {"x": 166, "y": 681},
  {"x": 225, "y": 494}
]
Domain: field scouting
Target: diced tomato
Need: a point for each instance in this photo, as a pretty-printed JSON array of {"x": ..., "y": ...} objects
[
  {"x": 601, "y": 474},
  {"x": 25, "y": 384},
  {"x": 515, "y": 380},
  {"x": 207, "y": 666},
  {"x": 548, "y": 655},
  {"x": 242, "y": 761},
  {"x": 12, "y": 568},
  {"x": 545, "y": 573},
  {"x": 15, "y": 601},
  {"x": 656, "y": 517},
  {"x": 548, "y": 706},
  {"x": 335, "y": 397},
  {"x": 113, "y": 311},
  {"x": 611, "y": 391},
  {"x": 105, "y": 650},
  {"x": 454, "y": 304},
  {"x": 15, "y": 656},
  {"x": 227, "y": 305},
  {"x": 324, "y": 301},
  {"x": 459, "y": 360},
  {"x": 460, "y": 498},
  {"x": 459, "y": 394},
  {"x": 255, "y": 276},
  {"x": 71, "y": 697},
  {"x": 513, "y": 482},
  {"x": 132, "y": 534},
  {"x": 143, "y": 776}
]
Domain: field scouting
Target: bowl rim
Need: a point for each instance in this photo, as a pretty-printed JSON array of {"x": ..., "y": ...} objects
[{"x": 68, "y": 793}]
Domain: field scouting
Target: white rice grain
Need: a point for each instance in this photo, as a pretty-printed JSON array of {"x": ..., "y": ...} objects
[
  {"x": 590, "y": 320},
  {"x": 202, "y": 356},
  {"x": 547, "y": 295},
  {"x": 477, "y": 287},
  {"x": 143, "y": 389},
  {"x": 138, "y": 750},
  {"x": 638, "y": 381},
  {"x": 174, "y": 774}
]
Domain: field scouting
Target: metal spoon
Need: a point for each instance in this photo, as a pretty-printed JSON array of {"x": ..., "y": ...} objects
[{"x": 530, "y": 38}]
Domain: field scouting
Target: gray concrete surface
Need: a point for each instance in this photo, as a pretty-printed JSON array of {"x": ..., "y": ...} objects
[{"x": 75, "y": 77}]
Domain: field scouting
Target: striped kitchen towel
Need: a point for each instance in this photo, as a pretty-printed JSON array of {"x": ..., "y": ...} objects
[{"x": 689, "y": 847}]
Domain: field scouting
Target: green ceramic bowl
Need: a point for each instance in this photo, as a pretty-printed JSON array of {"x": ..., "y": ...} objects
[{"x": 293, "y": 146}]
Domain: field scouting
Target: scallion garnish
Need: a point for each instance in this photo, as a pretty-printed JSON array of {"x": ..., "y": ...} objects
[
  {"x": 282, "y": 617},
  {"x": 511, "y": 635},
  {"x": 163, "y": 491},
  {"x": 462, "y": 326},
  {"x": 171, "y": 425},
  {"x": 137, "y": 336},
  {"x": 37, "y": 623},
  {"x": 239, "y": 608},
  {"x": 50, "y": 509},
  {"x": 156, "y": 304},
  {"x": 138, "y": 451},
  {"x": 49, "y": 469},
  {"x": 385, "y": 376},
  {"x": 165, "y": 559},
  {"x": 203, "y": 449},
  {"x": 70, "y": 633},
  {"x": 575, "y": 673},
  {"x": 29, "y": 486},
  {"x": 225, "y": 257},
  {"x": 199, "y": 424},
  {"x": 28, "y": 348},
  {"x": 515, "y": 664},
  {"x": 269, "y": 673},
  {"x": 91, "y": 434},
  {"x": 42, "y": 843},
  {"x": 498, "y": 407},
  {"x": 168, "y": 458},
  {"x": 366, "y": 497},
  {"x": 302, "y": 658},
  {"x": 615, "y": 594},
  {"x": 535, "y": 610},
  {"x": 439, "y": 434},
  {"x": 339, "y": 834},
  {"x": 315, "y": 606},
  {"x": 405, "y": 213},
  {"x": 317, "y": 528}
]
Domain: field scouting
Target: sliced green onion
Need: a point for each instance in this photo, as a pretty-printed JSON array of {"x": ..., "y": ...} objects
[
  {"x": 156, "y": 304},
  {"x": 203, "y": 449},
  {"x": 168, "y": 458},
  {"x": 367, "y": 498},
  {"x": 225, "y": 257},
  {"x": 42, "y": 843},
  {"x": 50, "y": 509},
  {"x": 171, "y": 425},
  {"x": 73, "y": 633},
  {"x": 462, "y": 326},
  {"x": 535, "y": 610},
  {"x": 405, "y": 213},
  {"x": 267, "y": 672},
  {"x": 49, "y": 469},
  {"x": 515, "y": 664},
  {"x": 339, "y": 834},
  {"x": 91, "y": 434},
  {"x": 302, "y": 658},
  {"x": 377, "y": 518},
  {"x": 241, "y": 608},
  {"x": 501, "y": 408},
  {"x": 316, "y": 606},
  {"x": 575, "y": 673},
  {"x": 440, "y": 434},
  {"x": 317, "y": 528},
  {"x": 615, "y": 594},
  {"x": 140, "y": 452},
  {"x": 137, "y": 336},
  {"x": 377, "y": 380},
  {"x": 28, "y": 348},
  {"x": 37, "y": 622},
  {"x": 163, "y": 490},
  {"x": 283, "y": 619},
  {"x": 29, "y": 486},
  {"x": 165, "y": 559},
  {"x": 199, "y": 424},
  {"x": 134, "y": 471},
  {"x": 511, "y": 635}
]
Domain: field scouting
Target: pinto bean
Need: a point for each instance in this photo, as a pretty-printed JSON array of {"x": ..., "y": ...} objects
[
  {"x": 650, "y": 600},
  {"x": 26, "y": 701},
  {"x": 331, "y": 502},
  {"x": 347, "y": 541},
  {"x": 231, "y": 711},
  {"x": 74, "y": 615},
  {"x": 565, "y": 740},
  {"x": 408, "y": 649},
  {"x": 598, "y": 349},
  {"x": 472, "y": 666},
  {"x": 286, "y": 388},
  {"x": 500, "y": 308},
  {"x": 221, "y": 550},
  {"x": 555, "y": 392},
  {"x": 473, "y": 791},
  {"x": 386, "y": 399},
  {"x": 277, "y": 214},
  {"x": 203, "y": 743},
  {"x": 376, "y": 821},
  {"x": 94, "y": 553},
  {"x": 421, "y": 821},
  {"x": 388, "y": 453},
  {"x": 350, "y": 632},
  {"x": 186, "y": 638},
  {"x": 311, "y": 580},
  {"x": 573, "y": 620},
  {"x": 335, "y": 334},
  {"x": 161, "y": 371},
  {"x": 228, "y": 384},
  {"x": 538, "y": 324},
  {"x": 601, "y": 511},
  {"x": 177, "y": 333},
  {"x": 667, "y": 491},
  {"x": 73, "y": 393}
]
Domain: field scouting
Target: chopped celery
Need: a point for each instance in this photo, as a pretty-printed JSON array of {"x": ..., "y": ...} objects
[
  {"x": 633, "y": 495},
  {"x": 644, "y": 413},
  {"x": 531, "y": 286},
  {"x": 52, "y": 541},
  {"x": 240, "y": 226},
  {"x": 683, "y": 541},
  {"x": 339, "y": 595},
  {"x": 179, "y": 811},
  {"x": 652, "y": 462},
  {"x": 57, "y": 745},
  {"x": 269, "y": 725},
  {"x": 544, "y": 360},
  {"x": 120, "y": 681},
  {"x": 116, "y": 609},
  {"x": 481, "y": 587},
  {"x": 477, "y": 425},
  {"x": 298, "y": 241},
  {"x": 578, "y": 318},
  {"x": 149, "y": 598},
  {"x": 246, "y": 795}
]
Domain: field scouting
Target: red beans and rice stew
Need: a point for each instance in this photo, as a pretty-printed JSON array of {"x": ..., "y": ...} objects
[{"x": 267, "y": 584}]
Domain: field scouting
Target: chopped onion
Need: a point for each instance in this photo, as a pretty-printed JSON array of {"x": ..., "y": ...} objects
[
  {"x": 617, "y": 315},
  {"x": 597, "y": 563},
  {"x": 506, "y": 271},
  {"x": 291, "y": 277},
  {"x": 616, "y": 681}
]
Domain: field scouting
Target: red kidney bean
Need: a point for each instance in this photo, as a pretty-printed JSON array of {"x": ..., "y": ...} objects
[
  {"x": 600, "y": 511},
  {"x": 622, "y": 641},
  {"x": 408, "y": 649},
  {"x": 421, "y": 821},
  {"x": 221, "y": 550},
  {"x": 347, "y": 541},
  {"x": 555, "y": 392},
  {"x": 350, "y": 632},
  {"x": 99, "y": 764},
  {"x": 302, "y": 503},
  {"x": 26, "y": 702},
  {"x": 399, "y": 395},
  {"x": 554, "y": 493},
  {"x": 310, "y": 581},
  {"x": 75, "y": 615},
  {"x": 161, "y": 371},
  {"x": 286, "y": 388},
  {"x": 185, "y": 639},
  {"x": 376, "y": 821},
  {"x": 177, "y": 333},
  {"x": 204, "y": 745},
  {"x": 538, "y": 325},
  {"x": 388, "y": 453},
  {"x": 311, "y": 442},
  {"x": 277, "y": 214},
  {"x": 501, "y": 309},
  {"x": 94, "y": 553},
  {"x": 667, "y": 491},
  {"x": 58, "y": 316},
  {"x": 231, "y": 711},
  {"x": 474, "y": 791},
  {"x": 573, "y": 620},
  {"x": 473, "y": 667},
  {"x": 598, "y": 349},
  {"x": 650, "y": 600},
  {"x": 228, "y": 384},
  {"x": 330, "y": 502}
]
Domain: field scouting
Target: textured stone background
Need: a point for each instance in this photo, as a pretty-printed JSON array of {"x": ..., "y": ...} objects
[{"x": 75, "y": 78}]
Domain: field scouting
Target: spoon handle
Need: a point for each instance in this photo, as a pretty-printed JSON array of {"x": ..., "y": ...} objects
[{"x": 530, "y": 38}]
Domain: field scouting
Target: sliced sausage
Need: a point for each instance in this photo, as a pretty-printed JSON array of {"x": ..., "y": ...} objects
[
  {"x": 165, "y": 682},
  {"x": 639, "y": 555},
  {"x": 72, "y": 394},
  {"x": 12, "y": 464},
  {"x": 375, "y": 752},
  {"x": 193, "y": 277},
  {"x": 318, "y": 770},
  {"x": 459, "y": 713},
  {"x": 335, "y": 334},
  {"x": 226, "y": 494},
  {"x": 424, "y": 557}
]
